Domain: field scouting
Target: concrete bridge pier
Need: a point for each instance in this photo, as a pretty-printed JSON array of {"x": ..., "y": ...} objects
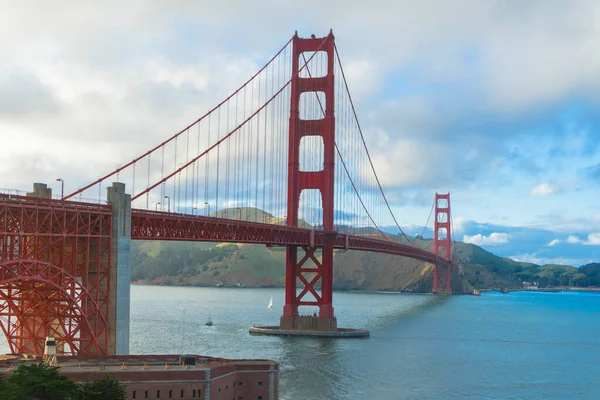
[{"x": 120, "y": 271}]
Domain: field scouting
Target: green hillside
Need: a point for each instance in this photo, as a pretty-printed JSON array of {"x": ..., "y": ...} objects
[{"x": 210, "y": 264}]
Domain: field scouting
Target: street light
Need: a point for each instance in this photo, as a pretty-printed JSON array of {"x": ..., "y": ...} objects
[
  {"x": 240, "y": 209},
  {"x": 207, "y": 205},
  {"x": 156, "y": 206},
  {"x": 223, "y": 214},
  {"x": 168, "y": 203},
  {"x": 194, "y": 210},
  {"x": 62, "y": 187}
]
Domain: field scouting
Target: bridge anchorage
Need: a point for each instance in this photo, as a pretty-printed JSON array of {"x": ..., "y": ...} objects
[{"x": 64, "y": 263}]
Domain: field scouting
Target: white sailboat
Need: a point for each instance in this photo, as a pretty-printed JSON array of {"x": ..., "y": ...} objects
[{"x": 271, "y": 302}]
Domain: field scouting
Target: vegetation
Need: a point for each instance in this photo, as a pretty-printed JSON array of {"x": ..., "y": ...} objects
[
  {"x": 227, "y": 264},
  {"x": 107, "y": 388},
  {"x": 42, "y": 382},
  {"x": 37, "y": 381},
  {"x": 482, "y": 267},
  {"x": 588, "y": 275}
]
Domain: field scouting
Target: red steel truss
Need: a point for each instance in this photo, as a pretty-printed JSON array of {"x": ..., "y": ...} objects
[
  {"x": 54, "y": 274},
  {"x": 55, "y": 256},
  {"x": 442, "y": 272},
  {"x": 55, "y": 262},
  {"x": 156, "y": 225}
]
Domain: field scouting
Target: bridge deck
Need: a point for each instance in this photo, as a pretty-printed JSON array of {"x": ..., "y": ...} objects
[{"x": 156, "y": 225}]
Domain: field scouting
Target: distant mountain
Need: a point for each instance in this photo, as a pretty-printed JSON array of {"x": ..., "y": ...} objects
[{"x": 226, "y": 264}]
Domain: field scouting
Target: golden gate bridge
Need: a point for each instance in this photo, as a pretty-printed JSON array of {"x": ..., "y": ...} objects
[{"x": 287, "y": 142}]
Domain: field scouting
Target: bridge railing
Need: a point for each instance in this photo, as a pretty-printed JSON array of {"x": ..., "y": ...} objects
[
  {"x": 54, "y": 203},
  {"x": 157, "y": 225},
  {"x": 77, "y": 199}
]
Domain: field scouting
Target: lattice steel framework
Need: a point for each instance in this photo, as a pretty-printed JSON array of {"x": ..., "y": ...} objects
[
  {"x": 309, "y": 269},
  {"x": 442, "y": 241},
  {"x": 54, "y": 274},
  {"x": 155, "y": 225}
]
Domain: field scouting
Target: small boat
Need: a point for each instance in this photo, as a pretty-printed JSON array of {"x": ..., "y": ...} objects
[
  {"x": 209, "y": 322},
  {"x": 476, "y": 292},
  {"x": 271, "y": 302}
]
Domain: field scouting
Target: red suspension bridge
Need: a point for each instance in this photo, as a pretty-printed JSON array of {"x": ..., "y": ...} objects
[{"x": 282, "y": 161}]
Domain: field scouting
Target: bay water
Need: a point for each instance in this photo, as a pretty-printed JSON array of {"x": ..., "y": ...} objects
[{"x": 519, "y": 345}]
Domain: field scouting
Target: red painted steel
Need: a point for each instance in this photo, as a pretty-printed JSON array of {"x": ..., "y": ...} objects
[
  {"x": 54, "y": 274},
  {"x": 55, "y": 262},
  {"x": 442, "y": 242},
  {"x": 55, "y": 256},
  {"x": 322, "y": 180},
  {"x": 156, "y": 225}
]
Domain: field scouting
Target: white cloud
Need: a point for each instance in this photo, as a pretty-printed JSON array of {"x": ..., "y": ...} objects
[
  {"x": 401, "y": 163},
  {"x": 543, "y": 189},
  {"x": 459, "y": 224},
  {"x": 535, "y": 259},
  {"x": 557, "y": 222},
  {"x": 553, "y": 242},
  {"x": 574, "y": 240},
  {"x": 494, "y": 239},
  {"x": 110, "y": 86},
  {"x": 593, "y": 239}
]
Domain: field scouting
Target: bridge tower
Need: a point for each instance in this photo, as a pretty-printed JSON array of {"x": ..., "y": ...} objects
[
  {"x": 442, "y": 240},
  {"x": 309, "y": 269}
]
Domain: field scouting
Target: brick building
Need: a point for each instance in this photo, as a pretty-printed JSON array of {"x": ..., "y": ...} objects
[{"x": 172, "y": 377}]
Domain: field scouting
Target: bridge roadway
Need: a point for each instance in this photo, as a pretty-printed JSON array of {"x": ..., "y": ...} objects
[{"x": 158, "y": 225}]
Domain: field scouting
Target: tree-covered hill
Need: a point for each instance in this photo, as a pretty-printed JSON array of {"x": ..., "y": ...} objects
[{"x": 227, "y": 264}]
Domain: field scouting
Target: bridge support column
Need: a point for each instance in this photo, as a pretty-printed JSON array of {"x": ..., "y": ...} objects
[
  {"x": 290, "y": 309},
  {"x": 442, "y": 241},
  {"x": 311, "y": 271},
  {"x": 120, "y": 272}
]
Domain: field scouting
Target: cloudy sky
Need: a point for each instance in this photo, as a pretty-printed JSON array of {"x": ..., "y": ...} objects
[{"x": 495, "y": 101}]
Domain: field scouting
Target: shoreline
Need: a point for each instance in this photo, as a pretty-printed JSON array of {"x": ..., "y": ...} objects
[
  {"x": 546, "y": 290},
  {"x": 371, "y": 291},
  {"x": 382, "y": 291}
]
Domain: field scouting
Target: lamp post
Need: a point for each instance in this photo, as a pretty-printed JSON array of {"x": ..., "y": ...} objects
[
  {"x": 223, "y": 214},
  {"x": 194, "y": 210},
  {"x": 156, "y": 206},
  {"x": 168, "y": 203},
  {"x": 240, "y": 210},
  {"x": 62, "y": 187},
  {"x": 207, "y": 205}
]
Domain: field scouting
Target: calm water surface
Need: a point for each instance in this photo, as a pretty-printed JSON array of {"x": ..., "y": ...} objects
[{"x": 498, "y": 346}]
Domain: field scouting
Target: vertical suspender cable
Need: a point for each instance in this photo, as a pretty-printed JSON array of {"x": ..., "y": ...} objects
[
  {"x": 265, "y": 146},
  {"x": 257, "y": 152},
  {"x": 217, "y": 214},
  {"x": 187, "y": 159},
  {"x": 226, "y": 205},
  {"x": 148, "y": 194},
  {"x": 207, "y": 168},
  {"x": 162, "y": 175}
]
